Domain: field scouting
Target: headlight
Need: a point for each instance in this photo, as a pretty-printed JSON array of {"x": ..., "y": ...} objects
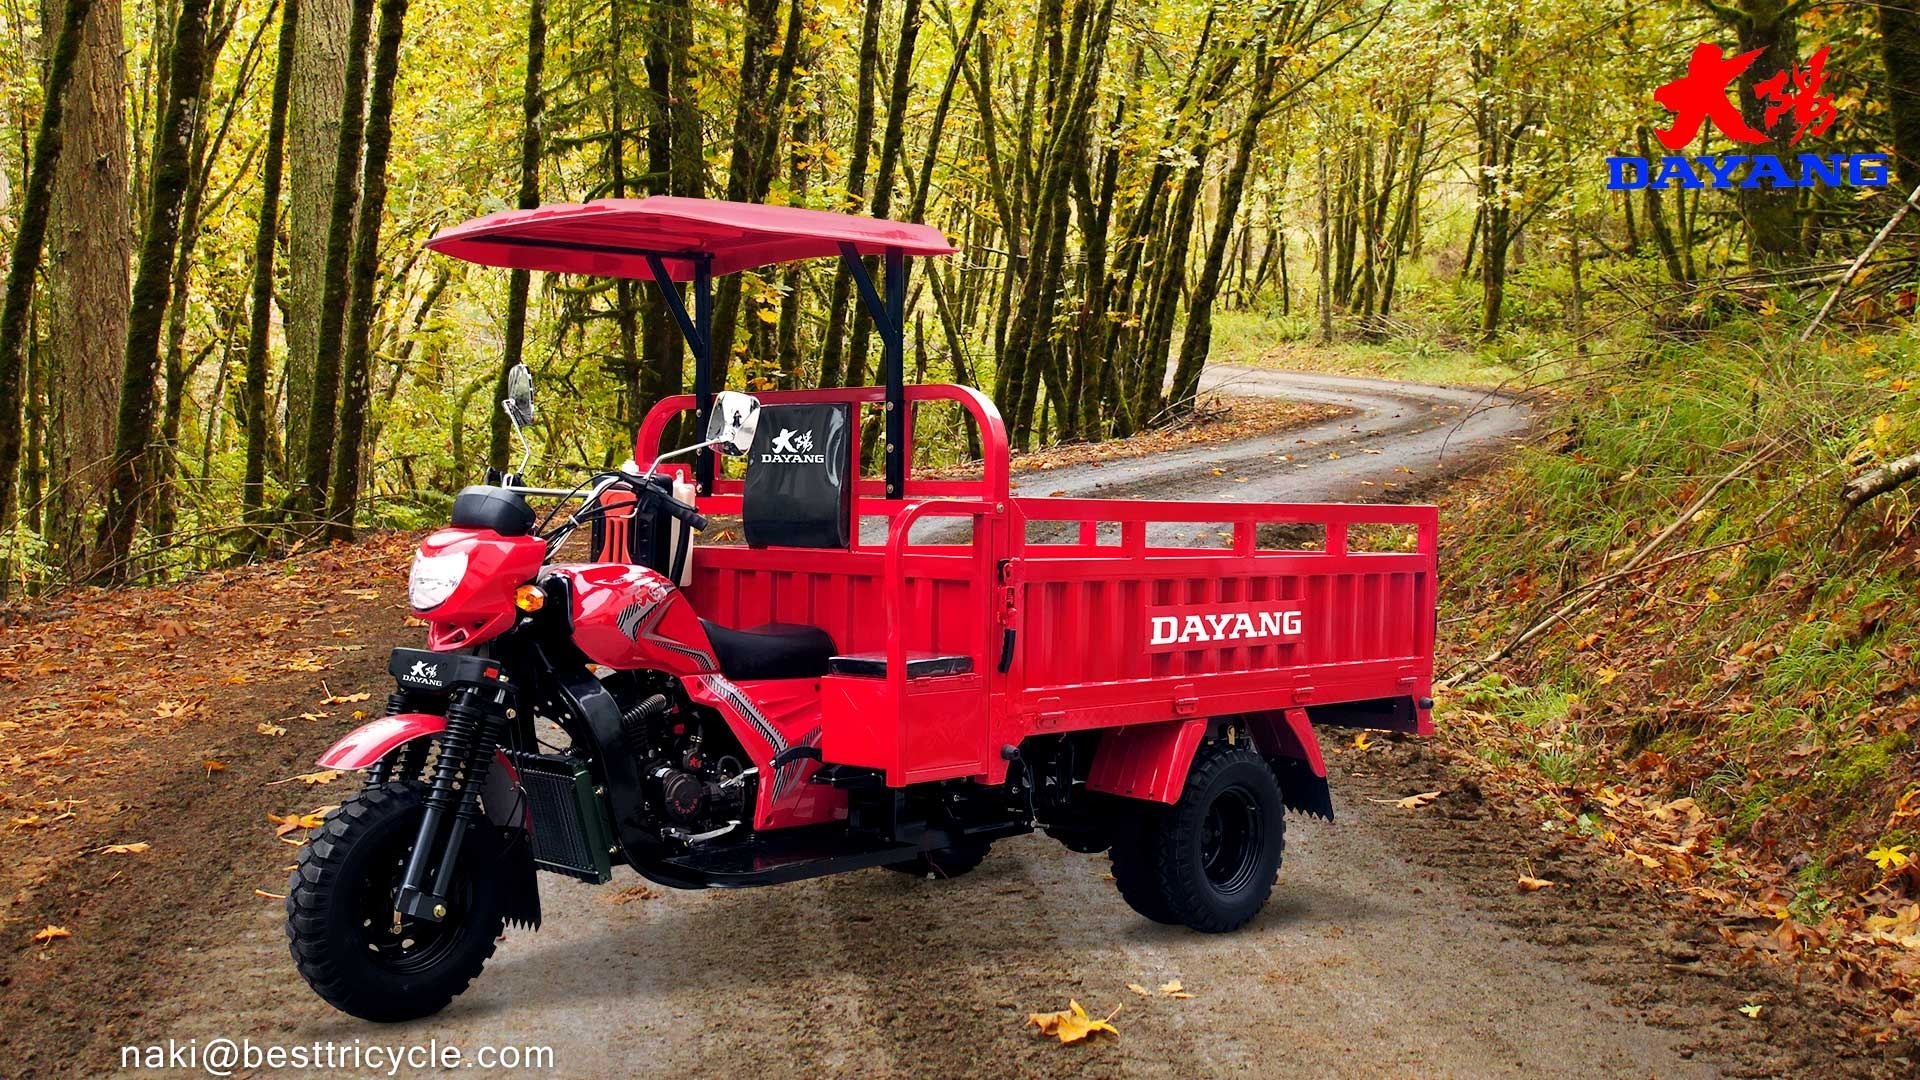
[{"x": 434, "y": 578}]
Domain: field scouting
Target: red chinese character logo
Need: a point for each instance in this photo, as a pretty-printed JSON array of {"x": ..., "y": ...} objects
[
  {"x": 1701, "y": 95},
  {"x": 1798, "y": 91}
]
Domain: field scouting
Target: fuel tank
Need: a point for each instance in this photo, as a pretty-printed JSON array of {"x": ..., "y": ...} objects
[{"x": 627, "y": 616}]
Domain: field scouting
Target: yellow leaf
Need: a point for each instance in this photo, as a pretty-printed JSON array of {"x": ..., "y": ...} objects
[
  {"x": 52, "y": 932},
  {"x": 1750, "y": 1010},
  {"x": 1362, "y": 741},
  {"x": 325, "y": 776},
  {"x": 1415, "y": 802},
  {"x": 1172, "y": 987},
  {"x": 1534, "y": 884},
  {"x": 269, "y": 729},
  {"x": 769, "y": 316},
  {"x": 291, "y": 822},
  {"x": 213, "y": 766},
  {"x": 1072, "y": 1023},
  {"x": 1604, "y": 676},
  {"x": 1890, "y": 856},
  {"x": 126, "y": 849},
  {"x": 1138, "y": 989}
]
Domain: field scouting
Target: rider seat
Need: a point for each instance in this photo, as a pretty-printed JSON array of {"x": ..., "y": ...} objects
[{"x": 773, "y": 651}]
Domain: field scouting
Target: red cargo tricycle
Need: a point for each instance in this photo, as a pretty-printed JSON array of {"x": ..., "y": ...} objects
[{"x": 891, "y": 671}]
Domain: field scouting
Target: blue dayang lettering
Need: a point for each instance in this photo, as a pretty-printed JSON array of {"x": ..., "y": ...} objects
[
  {"x": 1821, "y": 169},
  {"x": 1627, "y": 173},
  {"x": 1722, "y": 168},
  {"x": 1677, "y": 168},
  {"x": 1868, "y": 170},
  {"x": 1723, "y": 172},
  {"x": 1768, "y": 166}
]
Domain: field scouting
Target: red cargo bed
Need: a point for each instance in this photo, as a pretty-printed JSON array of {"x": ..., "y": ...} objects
[{"x": 1114, "y": 614}]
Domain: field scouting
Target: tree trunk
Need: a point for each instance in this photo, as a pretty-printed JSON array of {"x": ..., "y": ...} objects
[
  {"x": 24, "y": 264},
  {"x": 253, "y": 487},
  {"x": 322, "y": 41},
  {"x": 1657, "y": 220},
  {"x": 899, "y": 88},
  {"x": 168, "y": 188},
  {"x": 1772, "y": 215},
  {"x": 519, "y": 282},
  {"x": 832, "y": 355},
  {"x": 89, "y": 248},
  {"x": 322, "y": 409},
  {"x": 366, "y": 265},
  {"x": 1198, "y": 339},
  {"x": 1900, "y": 55},
  {"x": 755, "y": 109}
]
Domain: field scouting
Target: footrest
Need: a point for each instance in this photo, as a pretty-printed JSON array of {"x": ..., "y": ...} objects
[{"x": 873, "y": 665}]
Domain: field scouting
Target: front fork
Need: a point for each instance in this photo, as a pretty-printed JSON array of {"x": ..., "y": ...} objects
[{"x": 476, "y": 724}]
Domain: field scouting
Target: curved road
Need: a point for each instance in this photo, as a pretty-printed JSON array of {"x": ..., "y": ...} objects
[{"x": 1365, "y": 964}]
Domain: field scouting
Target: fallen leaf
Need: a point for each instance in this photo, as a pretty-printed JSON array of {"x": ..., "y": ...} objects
[
  {"x": 1534, "y": 884},
  {"x": 1890, "y": 856},
  {"x": 1750, "y": 1010},
  {"x": 345, "y": 699},
  {"x": 1072, "y": 1023},
  {"x": 325, "y": 776},
  {"x": 291, "y": 822},
  {"x": 269, "y": 729},
  {"x": 52, "y": 932},
  {"x": 1138, "y": 989},
  {"x": 125, "y": 849},
  {"x": 1415, "y": 802},
  {"x": 213, "y": 766},
  {"x": 1172, "y": 987},
  {"x": 1362, "y": 741}
]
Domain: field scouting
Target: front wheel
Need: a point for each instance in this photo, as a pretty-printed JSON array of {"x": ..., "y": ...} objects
[
  {"x": 352, "y": 947},
  {"x": 1209, "y": 860}
]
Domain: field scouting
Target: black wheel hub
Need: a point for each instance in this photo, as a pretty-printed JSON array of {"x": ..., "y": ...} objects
[
  {"x": 1231, "y": 839},
  {"x": 400, "y": 943}
]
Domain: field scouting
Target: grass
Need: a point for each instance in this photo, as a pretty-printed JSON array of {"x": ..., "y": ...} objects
[{"x": 1768, "y": 671}]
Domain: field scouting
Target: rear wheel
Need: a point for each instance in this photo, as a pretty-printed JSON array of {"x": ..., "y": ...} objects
[
  {"x": 948, "y": 862},
  {"x": 1209, "y": 860},
  {"x": 350, "y": 945}
]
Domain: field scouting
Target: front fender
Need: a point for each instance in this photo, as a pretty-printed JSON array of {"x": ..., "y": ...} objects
[{"x": 370, "y": 742}]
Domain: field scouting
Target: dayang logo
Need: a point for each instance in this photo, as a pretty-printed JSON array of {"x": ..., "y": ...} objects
[
  {"x": 1699, "y": 98},
  {"x": 792, "y": 447}
]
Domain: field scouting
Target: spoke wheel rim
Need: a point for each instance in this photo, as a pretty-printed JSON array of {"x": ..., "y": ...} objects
[{"x": 1231, "y": 838}]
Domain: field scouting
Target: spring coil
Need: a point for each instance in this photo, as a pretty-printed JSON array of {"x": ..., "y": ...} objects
[{"x": 457, "y": 746}]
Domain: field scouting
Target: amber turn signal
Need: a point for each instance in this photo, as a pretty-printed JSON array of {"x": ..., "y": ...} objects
[{"x": 529, "y": 598}]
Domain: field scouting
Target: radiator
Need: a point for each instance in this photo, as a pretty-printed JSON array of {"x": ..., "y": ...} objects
[{"x": 571, "y": 833}]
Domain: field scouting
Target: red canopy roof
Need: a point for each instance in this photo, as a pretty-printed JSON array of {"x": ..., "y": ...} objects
[{"x": 612, "y": 237}]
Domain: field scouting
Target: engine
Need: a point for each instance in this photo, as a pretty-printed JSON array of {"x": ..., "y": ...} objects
[{"x": 696, "y": 778}]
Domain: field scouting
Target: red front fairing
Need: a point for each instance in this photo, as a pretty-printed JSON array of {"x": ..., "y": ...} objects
[
  {"x": 481, "y": 607},
  {"x": 768, "y": 716}
]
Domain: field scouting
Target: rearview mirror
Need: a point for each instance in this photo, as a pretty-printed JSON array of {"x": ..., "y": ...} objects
[
  {"x": 733, "y": 421},
  {"x": 519, "y": 399}
]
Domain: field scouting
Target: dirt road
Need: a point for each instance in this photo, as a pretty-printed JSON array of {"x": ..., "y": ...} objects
[{"x": 1395, "y": 945}]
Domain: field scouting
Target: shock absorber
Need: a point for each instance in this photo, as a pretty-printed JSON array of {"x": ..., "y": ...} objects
[
  {"x": 405, "y": 762},
  {"x": 453, "y": 799}
]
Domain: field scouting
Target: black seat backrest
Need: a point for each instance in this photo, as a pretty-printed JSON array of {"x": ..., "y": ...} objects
[{"x": 798, "y": 492}]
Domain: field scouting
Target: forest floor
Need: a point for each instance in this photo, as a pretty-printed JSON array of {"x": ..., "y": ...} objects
[{"x": 173, "y": 721}]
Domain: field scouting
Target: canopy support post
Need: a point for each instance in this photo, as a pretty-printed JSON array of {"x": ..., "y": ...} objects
[
  {"x": 889, "y": 318},
  {"x": 697, "y": 328},
  {"x": 703, "y": 371}
]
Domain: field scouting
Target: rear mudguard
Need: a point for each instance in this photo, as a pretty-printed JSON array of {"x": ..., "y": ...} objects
[
  {"x": 1150, "y": 761},
  {"x": 501, "y": 797}
]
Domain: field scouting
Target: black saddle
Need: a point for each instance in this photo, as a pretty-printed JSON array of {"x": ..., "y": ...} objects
[{"x": 773, "y": 651}]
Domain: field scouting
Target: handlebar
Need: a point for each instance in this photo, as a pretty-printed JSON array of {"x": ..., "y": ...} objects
[{"x": 643, "y": 492}]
